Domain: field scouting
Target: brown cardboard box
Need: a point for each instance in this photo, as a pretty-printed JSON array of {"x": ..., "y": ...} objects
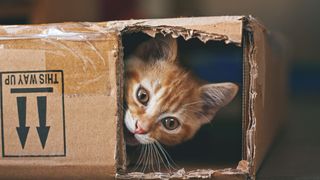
[{"x": 75, "y": 70}]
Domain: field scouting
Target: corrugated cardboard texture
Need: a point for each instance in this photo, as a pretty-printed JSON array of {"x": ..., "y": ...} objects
[{"x": 89, "y": 63}]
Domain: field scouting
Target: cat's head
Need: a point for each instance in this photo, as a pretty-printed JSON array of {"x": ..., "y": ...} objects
[{"x": 165, "y": 101}]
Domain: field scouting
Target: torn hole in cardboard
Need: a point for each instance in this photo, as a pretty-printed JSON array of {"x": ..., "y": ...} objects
[{"x": 198, "y": 158}]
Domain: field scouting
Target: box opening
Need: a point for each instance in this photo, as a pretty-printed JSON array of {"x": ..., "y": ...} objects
[{"x": 216, "y": 145}]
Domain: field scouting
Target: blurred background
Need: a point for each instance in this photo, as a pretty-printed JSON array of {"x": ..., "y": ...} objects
[{"x": 296, "y": 152}]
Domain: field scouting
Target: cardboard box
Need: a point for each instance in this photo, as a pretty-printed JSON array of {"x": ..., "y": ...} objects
[{"x": 62, "y": 95}]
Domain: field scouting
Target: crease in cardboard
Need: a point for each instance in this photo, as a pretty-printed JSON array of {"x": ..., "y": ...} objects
[
  {"x": 89, "y": 65},
  {"x": 85, "y": 60}
]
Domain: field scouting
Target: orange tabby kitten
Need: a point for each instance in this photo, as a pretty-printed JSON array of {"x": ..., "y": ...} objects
[{"x": 166, "y": 103}]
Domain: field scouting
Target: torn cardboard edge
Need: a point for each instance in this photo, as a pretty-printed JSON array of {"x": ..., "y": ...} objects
[
  {"x": 176, "y": 32},
  {"x": 203, "y": 28},
  {"x": 251, "y": 92},
  {"x": 249, "y": 95},
  {"x": 182, "y": 174}
]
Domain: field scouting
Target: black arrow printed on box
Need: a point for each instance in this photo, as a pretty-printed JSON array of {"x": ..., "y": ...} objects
[
  {"x": 22, "y": 130},
  {"x": 42, "y": 129}
]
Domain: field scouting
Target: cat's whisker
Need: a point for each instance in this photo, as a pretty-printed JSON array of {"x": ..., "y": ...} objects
[
  {"x": 152, "y": 157},
  {"x": 145, "y": 163},
  {"x": 148, "y": 159},
  {"x": 166, "y": 156},
  {"x": 174, "y": 165},
  {"x": 159, "y": 157},
  {"x": 154, "y": 160},
  {"x": 162, "y": 160},
  {"x": 156, "y": 157},
  {"x": 140, "y": 159},
  {"x": 144, "y": 159}
]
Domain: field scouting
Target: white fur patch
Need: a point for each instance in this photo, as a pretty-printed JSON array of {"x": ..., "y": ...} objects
[
  {"x": 144, "y": 138},
  {"x": 130, "y": 122},
  {"x": 153, "y": 103}
]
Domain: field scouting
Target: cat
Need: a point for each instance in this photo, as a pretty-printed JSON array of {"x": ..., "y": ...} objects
[{"x": 166, "y": 103}]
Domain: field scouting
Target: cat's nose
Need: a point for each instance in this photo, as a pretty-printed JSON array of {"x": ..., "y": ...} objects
[{"x": 139, "y": 129}]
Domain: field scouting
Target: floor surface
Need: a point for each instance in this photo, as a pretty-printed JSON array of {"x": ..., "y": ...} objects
[{"x": 296, "y": 153}]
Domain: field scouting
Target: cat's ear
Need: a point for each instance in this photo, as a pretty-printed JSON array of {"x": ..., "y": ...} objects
[
  {"x": 158, "y": 48},
  {"x": 216, "y": 96}
]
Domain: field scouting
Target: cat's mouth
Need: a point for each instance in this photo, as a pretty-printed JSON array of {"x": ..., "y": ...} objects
[{"x": 129, "y": 137}]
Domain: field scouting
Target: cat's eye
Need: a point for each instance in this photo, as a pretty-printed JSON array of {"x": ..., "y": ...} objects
[
  {"x": 142, "y": 96},
  {"x": 170, "y": 123}
]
